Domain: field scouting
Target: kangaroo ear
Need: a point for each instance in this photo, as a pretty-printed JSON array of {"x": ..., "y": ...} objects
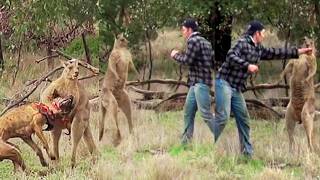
[
  {"x": 120, "y": 36},
  {"x": 64, "y": 63}
]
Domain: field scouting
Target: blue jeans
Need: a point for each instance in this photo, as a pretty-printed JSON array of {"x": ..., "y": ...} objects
[
  {"x": 198, "y": 98},
  {"x": 226, "y": 99}
]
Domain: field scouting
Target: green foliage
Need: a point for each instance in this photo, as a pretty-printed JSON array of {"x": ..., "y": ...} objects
[
  {"x": 38, "y": 20},
  {"x": 76, "y": 48}
]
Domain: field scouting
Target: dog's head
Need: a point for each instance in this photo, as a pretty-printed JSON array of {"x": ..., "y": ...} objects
[
  {"x": 61, "y": 108},
  {"x": 64, "y": 105}
]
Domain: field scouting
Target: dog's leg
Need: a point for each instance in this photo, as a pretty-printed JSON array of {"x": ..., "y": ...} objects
[
  {"x": 39, "y": 133},
  {"x": 307, "y": 116},
  {"x": 125, "y": 105},
  {"x": 290, "y": 125},
  {"x": 36, "y": 148},
  {"x": 10, "y": 152},
  {"x": 77, "y": 130}
]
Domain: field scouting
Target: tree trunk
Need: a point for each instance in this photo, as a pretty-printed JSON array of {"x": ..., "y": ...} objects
[
  {"x": 18, "y": 64},
  {"x": 150, "y": 58},
  {"x": 86, "y": 49},
  {"x": 1, "y": 57},
  {"x": 286, "y": 45},
  {"x": 220, "y": 34},
  {"x": 284, "y": 62}
]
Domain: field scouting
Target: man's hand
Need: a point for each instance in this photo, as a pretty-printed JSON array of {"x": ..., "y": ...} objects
[
  {"x": 174, "y": 52},
  {"x": 304, "y": 50},
  {"x": 253, "y": 68}
]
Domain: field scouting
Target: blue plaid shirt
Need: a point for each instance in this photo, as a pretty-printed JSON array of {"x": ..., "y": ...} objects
[
  {"x": 199, "y": 57},
  {"x": 235, "y": 69}
]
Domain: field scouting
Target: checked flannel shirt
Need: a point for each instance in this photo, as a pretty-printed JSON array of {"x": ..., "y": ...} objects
[
  {"x": 235, "y": 69},
  {"x": 199, "y": 57}
]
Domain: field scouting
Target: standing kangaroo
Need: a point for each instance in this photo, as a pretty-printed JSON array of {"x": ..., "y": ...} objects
[
  {"x": 113, "y": 93},
  {"x": 78, "y": 119},
  {"x": 301, "y": 108}
]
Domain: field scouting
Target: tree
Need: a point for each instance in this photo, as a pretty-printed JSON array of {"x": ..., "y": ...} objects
[{"x": 50, "y": 23}]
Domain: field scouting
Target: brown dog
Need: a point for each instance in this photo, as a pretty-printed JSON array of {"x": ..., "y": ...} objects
[
  {"x": 301, "y": 108},
  {"x": 25, "y": 120}
]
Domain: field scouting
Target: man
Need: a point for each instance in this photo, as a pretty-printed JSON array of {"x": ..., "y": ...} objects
[
  {"x": 198, "y": 57},
  {"x": 242, "y": 60}
]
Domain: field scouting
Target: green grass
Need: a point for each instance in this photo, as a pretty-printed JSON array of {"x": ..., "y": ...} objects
[{"x": 200, "y": 160}]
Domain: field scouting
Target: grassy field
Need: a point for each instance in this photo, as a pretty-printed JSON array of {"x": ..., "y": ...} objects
[{"x": 154, "y": 152}]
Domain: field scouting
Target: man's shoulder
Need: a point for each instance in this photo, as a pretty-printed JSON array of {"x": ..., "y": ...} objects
[
  {"x": 198, "y": 39},
  {"x": 242, "y": 40},
  {"x": 196, "y": 36},
  {"x": 241, "y": 43}
]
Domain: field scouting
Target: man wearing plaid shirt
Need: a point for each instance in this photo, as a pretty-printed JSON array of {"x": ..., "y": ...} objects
[
  {"x": 198, "y": 57},
  {"x": 241, "y": 61}
]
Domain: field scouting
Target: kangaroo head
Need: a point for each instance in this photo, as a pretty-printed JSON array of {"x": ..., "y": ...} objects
[
  {"x": 71, "y": 69},
  {"x": 309, "y": 43},
  {"x": 120, "y": 41}
]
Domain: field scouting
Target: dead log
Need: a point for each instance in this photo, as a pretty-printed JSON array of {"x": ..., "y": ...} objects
[
  {"x": 148, "y": 104},
  {"x": 260, "y": 104},
  {"x": 266, "y": 86},
  {"x": 159, "y": 81},
  {"x": 149, "y": 94},
  {"x": 280, "y": 101},
  {"x": 47, "y": 57}
]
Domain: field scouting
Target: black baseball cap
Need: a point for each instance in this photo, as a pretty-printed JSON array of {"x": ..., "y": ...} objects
[
  {"x": 254, "y": 26},
  {"x": 190, "y": 23}
]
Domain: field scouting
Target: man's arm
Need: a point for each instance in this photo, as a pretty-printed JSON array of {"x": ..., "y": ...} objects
[
  {"x": 234, "y": 56},
  {"x": 189, "y": 55},
  {"x": 279, "y": 53}
]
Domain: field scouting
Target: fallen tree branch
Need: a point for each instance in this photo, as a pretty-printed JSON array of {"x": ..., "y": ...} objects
[
  {"x": 266, "y": 86},
  {"x": 154, "y": 94},
  {"x": 173, "y": 96},
  {"x": 47, "y": 57},
  {"x": 36, "y": 84},
  {"x": 87, "y": 77},
  {"x": 259, "y": 103},
  {"x": 159, "y": 81},
  {"x": 81, "y": 62}
]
